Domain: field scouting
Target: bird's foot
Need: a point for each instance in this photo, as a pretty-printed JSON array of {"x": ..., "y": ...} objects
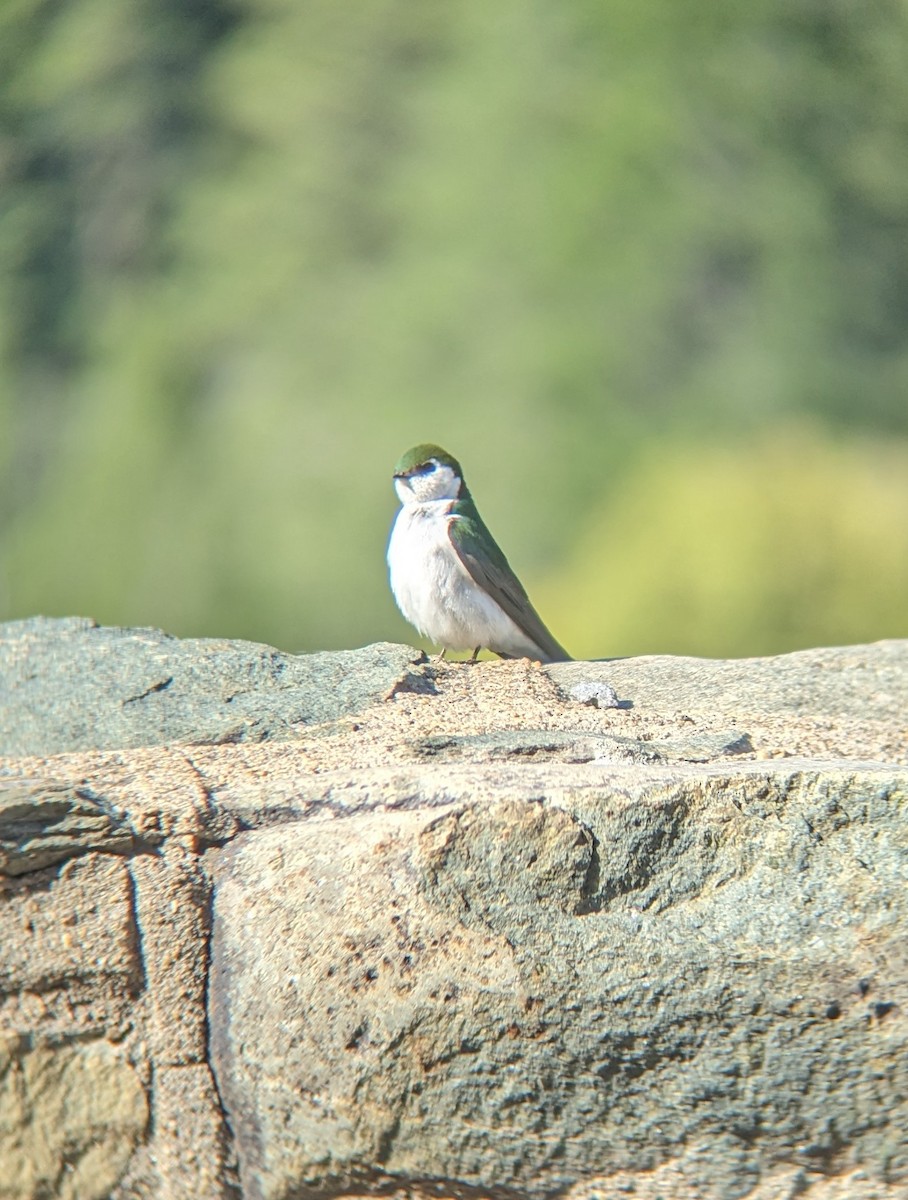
[
  {"x": 440, "y": 656},
  {"x": 474, "y": 655}
]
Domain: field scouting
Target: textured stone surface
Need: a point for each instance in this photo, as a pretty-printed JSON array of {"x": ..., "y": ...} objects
[
  {"x": 856, "y": 681},
  {"x": 513, "y": 991},
  {"x": 464, "y": 936},
  {"x": 69, "y": 955},
  {"x": 43, "y": 822},
  {"x": 71, "y": 1115},
  {"x": 70, "y": 684}
]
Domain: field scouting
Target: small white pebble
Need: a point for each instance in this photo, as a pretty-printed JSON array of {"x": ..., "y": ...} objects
[{"x": 603, "y": 695}]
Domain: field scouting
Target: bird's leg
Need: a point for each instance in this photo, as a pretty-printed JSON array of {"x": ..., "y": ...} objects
[
  {"x": 474, "y": 655},
  {"x": 440, "y": 657}
]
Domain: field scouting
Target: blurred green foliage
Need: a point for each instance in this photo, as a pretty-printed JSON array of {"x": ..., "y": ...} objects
[
  {"x": 250, "y": 250},
  {"x": 749, "y": 547}
]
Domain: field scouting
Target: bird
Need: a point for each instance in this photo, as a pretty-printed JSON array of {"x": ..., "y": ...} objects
[{"x": 448, "y": 574}]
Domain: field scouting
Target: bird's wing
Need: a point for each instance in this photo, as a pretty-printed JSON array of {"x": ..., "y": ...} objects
[{"x": 487, "y": 565}]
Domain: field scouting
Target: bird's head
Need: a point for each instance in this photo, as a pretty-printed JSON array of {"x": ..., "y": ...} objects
[{"x": 427, "y": 473}]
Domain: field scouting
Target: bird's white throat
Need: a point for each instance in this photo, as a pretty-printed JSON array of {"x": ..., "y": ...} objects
[{"x": 425, "y": 486}]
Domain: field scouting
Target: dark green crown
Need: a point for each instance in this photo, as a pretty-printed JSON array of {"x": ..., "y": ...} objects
[{"x": 419, "y": 456}]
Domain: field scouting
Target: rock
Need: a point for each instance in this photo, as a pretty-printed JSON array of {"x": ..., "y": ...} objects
[
  {"x": 43, "y": 822},
  {"x": 70, "y": 684},
  {"x": 73, "y": 1106},
  {"x": 528, "y": 993},
  {"x": 587, "y": 747},
  {"x": 603, "y": 695},
  {"x": 71, "y": 1116},
  {"x": 69, "y": 952},
  {"x": 841, "y": 680},
  {"x": 462, "y": 936}
]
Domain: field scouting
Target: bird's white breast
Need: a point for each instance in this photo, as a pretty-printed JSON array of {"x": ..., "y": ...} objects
[{"x": 434, "y": 590}]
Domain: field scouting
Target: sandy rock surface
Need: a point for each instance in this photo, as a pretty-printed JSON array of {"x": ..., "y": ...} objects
[{"x": 429, "y": 929}]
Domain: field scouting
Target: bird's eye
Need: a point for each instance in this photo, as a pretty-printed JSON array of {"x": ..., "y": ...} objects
[{"x": 429, "y": 467}]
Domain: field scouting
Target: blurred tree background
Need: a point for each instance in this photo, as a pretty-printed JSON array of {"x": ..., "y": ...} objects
[{"x": 642, "y": 266}]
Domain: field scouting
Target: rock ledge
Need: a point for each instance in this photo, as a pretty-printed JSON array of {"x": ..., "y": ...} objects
[{"x": 287, "y": 926}]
